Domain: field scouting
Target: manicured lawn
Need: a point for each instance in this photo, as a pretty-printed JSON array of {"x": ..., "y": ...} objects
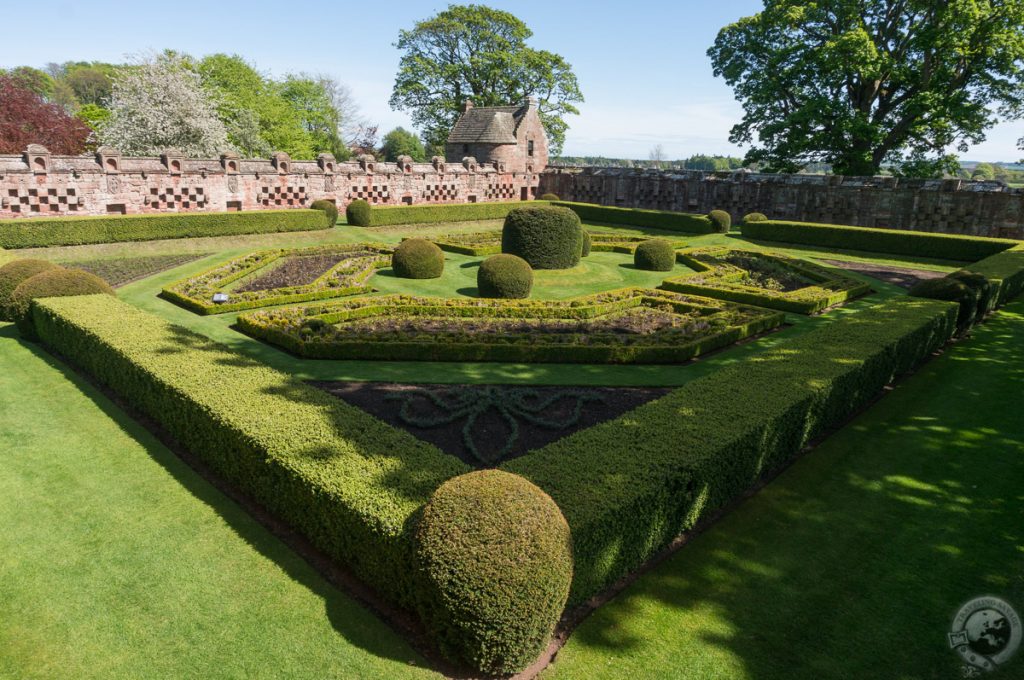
[
  {"x": 118, "y": 561},
  {"x": 852, "y": 563}
]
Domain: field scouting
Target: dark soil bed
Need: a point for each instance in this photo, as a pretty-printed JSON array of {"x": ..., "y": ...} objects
[
  {"x": 904, "y": 277},
  {"x": 119, "y": 271},
  {"x": 298, "y": 270},
  {"x": 443, "y": 414}
]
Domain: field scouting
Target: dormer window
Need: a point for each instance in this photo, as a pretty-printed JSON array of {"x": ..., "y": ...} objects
[{"x": 529, "y": 148}]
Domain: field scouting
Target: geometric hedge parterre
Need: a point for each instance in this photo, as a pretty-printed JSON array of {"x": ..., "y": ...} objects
[
  {"x": 630, "y": 325},
  {"x": 485, "y": 243},
  {"x": 765, "y": 279},
  {"x": 277, "y": 277}
]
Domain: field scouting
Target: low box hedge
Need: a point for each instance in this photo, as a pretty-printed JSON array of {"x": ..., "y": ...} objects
[
  {"x": 636, "y": 217},
  {"x": 448, "y": 212},
  {"x": 347, "y": 481},
  {"x": 889, "y": 241},
  {"x": 1005, "y": 270},
  {"x": 629, "y": 486},
  {"x": 41, "y": 232}
]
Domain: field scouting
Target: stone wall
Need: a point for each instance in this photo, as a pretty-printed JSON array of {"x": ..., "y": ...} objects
[
  {"x": 948, "y": 206},
  {"x": 37, "y": 184}
]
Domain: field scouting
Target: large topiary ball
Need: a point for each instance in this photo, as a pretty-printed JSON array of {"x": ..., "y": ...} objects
[
  {"x": 655, "y": 255},
  {"x": 504, "y": 276},
  {"x": 358, "y": 213},
  {"x": 548, "y": 237},
  {"x": 496, "y": 553},
  {"x": 11, "y": 276},
  {"x": 549, "y": 197},
  {"x": 417, "y": 258},
  {"x": 721, "y": 221},
  {"x": 754, "y": 217},
  {"x": 57, "y": 282},
  {"x": 983, "y": 289},
  {"x": 588, "y": 243},
  {"x": 950, "y": 289},
  {"x": 329, "y": 208}
]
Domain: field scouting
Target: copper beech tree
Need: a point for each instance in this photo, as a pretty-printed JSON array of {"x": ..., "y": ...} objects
[{"x": 26, "y": 118}]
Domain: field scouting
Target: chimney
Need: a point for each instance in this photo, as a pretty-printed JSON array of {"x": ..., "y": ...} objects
[
  {"x": 467, "y": 105},
  {"x": 531, "y": 102}
]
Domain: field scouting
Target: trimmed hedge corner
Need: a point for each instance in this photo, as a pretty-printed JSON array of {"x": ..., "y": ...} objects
[
  {"x": 547, "y": 237},
  {"x": 51, "y": 283},
  {"x": 41, "y": 232},
  {"x": 328, "y": 208},
  {"x": 13, "y": 274},
  {"x": 417, "y": 258},
  {"x": 358, "y": 213},
  {"x": 497, "y": 558},
  {"x": 504, "y": 276},
  {"x": 951, "y": 290},
  {"x": 655, "y": 255},
  {"x": 636, "y": 217},
  {"x": 1005, "y": 271}
]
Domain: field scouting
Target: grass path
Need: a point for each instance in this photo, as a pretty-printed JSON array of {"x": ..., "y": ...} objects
[
  {"x": 852, "y": 563},
  {"x": 117, "y": 561}
]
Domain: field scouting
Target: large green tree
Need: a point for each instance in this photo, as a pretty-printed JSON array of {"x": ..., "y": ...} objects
[
  {"x": 859, "y": 83},
  {"x": 479, "y": 53},
  {"x": 401, "y": 142}
]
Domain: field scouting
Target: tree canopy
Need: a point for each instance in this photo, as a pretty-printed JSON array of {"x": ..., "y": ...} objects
[
  {"x": 401, "y": 142},
  {"x": 27, "y": 118},
  {"x": 859, "y": 83},
  {"x": 480, "y": 53}
]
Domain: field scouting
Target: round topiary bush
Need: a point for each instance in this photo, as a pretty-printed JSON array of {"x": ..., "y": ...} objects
[
  {"x": 57, "y": 282},
  {"x": 11, "y": 276},
  {"x": 548, "y": 237},
  {"x": 418, "y": 258},
  {"x": 588, "y": 243},
  {"x": 358, "y": 213},
  {"x": 327, "y": 207},
  {"x": 983, "y": 289},
  {"x": 655, "y": 255},
  {"x": 953, "y": 290},
  {"x": 754, "y": 217},
  {"x": 496, "y": 553},
  {"x": 504, "y": 276},
  {"x": 721, "y": 221},
  {"x": 549, "y": 197}
]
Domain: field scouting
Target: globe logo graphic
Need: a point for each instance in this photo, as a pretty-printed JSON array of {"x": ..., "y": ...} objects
[
  {"x": 988, "y": 631},
  {"x": 985, "y": 633}
]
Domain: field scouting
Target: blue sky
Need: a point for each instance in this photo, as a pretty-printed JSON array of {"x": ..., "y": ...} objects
[{"x": 641, "y": 64}]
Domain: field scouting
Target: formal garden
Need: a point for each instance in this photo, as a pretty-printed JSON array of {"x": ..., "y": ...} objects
[{"x": 483, "y": 429}]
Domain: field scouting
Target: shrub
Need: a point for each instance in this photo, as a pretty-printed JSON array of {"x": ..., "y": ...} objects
[
  {"x": 952, "y": 290},
  {"x": 547, "y": 237},
  {"x": 754, "y": 217},
  {"x": 358, "y": 213},
  {"x": 64, "y": 231},
  {"x": 329, "y": 209},
  {"x": 57, "y": 282},
  {"x": 655, "y": 255},
  {"x": 891, "y": 241},
  {"x": 417, "y": 258},
  {"x": 635, "y": 217},
  {"x": 588, "y": 243},
  {"x": 504, "y": 276},
  {"x": 984, "y": 290},
  {"x": 549, "y": 197},
  {"x": 497, "y": 557},
  {"x": 432, "y": 214},
  {"x": 1006, "y": 272},
  {"x": 721, "y": 220},
  {"x": 11, "y": 276}
]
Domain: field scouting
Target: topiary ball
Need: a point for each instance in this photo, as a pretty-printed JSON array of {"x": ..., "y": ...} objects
[
  {"x": 504, "y": 276},
  {"x": 947, "y": 288},
  {"x": 721, "y": 221},
  {"x": 754, "y": 217},
  {"x": 358, "y": 213},
  {"x": 329, "y": 208},
  {"x": 655, "y": 255},
  {"x": 11, "y": 276},
  {"x": 57, "y": 282},
  {"x": 549, "y": 197},
  {"x": 548, "y": 237},
  {"x": 418, "y": 258},
  {"x": 983, "y": 289},
  {"x": 496, "y": 553},
  {"x": 588, "y": 243}
]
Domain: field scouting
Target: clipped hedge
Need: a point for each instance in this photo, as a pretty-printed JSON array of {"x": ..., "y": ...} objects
[
  {"x": 721, "y": 220},
  {"x": 358, "y": 213},
  {"x": 41, "y": 232},
  {"x": 635, "y": 217},
  {"x": 328, "y": 208},
  {"x": 449, "y": 212},
  {"x": 13, "y": 274},
  {"x": 656, "y": 255},
  {"x": 58, "y": 282},
  {"x": 417, "y": 258},
  {"x": 1005, "y": 271},
  {"x": 588, "y": 244},
  {"x": 889, "y": 241},
  {"x": 754, "y": 217},
  {"x": 549, "y": 197},
  {"x": 504, "y": 276},
  {"x": 346, "y": 480},
  {"x": 497, "y": 556},
  {"x": 984, "y": 292},
  {"x": 697, "y": 448},
  {"x": 548, "y": 237},
  {"x": 951, "y": 290}
]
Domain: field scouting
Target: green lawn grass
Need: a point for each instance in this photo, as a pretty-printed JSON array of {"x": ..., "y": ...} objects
[
  {"x": 852, "y": 563},
  {"x": 118, "y": 561}
]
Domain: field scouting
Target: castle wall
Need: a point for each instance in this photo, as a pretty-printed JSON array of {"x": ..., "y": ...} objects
[{"x": 948, "y": 206}]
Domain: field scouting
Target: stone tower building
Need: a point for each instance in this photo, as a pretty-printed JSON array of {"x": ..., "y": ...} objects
[{"x": 509, "y": 137}]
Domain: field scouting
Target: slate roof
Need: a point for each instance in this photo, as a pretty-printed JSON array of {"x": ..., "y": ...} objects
[{"x": 488, "y": 125}]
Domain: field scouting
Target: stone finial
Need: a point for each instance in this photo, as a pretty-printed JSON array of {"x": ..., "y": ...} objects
[
  {"x": 229, "y": 160},
  {"x": 327, "y": 162},
  {"x": 405, "y": 163},
  {"x": 367, "y": 162},
  {"x": 281, "y": 161},
  {"x": 109, "y": 159},
  {"x": 173, "y": 160},
  {"x": 469, "y": 162},
  {"x": 37, "y": 157},
  {"x": 500, "y": 166},
  {"x": 439, "y": 163},
  {"x": 467, "y": 105}
]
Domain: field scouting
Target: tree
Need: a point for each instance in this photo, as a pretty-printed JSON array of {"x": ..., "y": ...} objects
[
  {"x": 859, "y": 83},
  {"x": 310, "y": 99},
  {"x": 984, "y": 172},
  {"x": 158, "y": 104},
  {"x": 475, "y": 52},
  {"x": 401, "y": 142},
  {"x": 656, "y": 155},
  {"x": 26, "y": 118}
]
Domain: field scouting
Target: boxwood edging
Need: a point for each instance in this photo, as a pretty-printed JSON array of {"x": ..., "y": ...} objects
[
  {"x": 41, "y": 232},
  {"x": 1006, "y": 272}
]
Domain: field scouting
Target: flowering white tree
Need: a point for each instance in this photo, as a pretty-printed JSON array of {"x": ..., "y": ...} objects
[{"x": 159, "y": 104}]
